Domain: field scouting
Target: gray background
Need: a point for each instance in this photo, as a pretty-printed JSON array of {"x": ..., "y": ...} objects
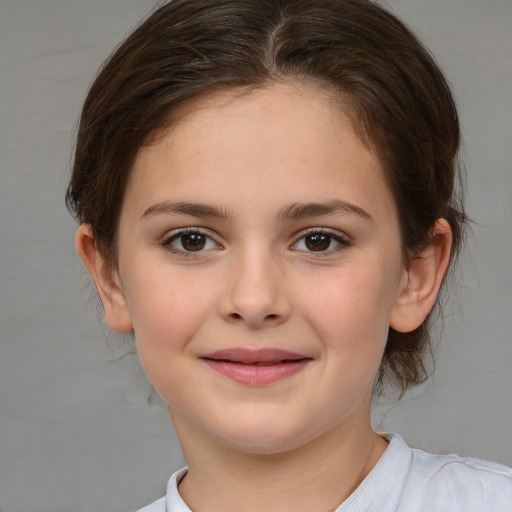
[{"x": 80, "y": 428}]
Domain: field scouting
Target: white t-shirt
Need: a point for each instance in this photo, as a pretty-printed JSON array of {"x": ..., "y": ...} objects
[{"x": 408, "y": 480}]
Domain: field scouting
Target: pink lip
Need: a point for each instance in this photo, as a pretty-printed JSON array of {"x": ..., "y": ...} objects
[{"x": 256, "y": 367}]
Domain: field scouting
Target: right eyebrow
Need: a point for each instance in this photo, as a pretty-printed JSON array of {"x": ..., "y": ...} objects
[{"x": 185, "y": 208}]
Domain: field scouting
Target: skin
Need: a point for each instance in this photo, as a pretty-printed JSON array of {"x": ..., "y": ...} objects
[{"x": 251, "y": 159}]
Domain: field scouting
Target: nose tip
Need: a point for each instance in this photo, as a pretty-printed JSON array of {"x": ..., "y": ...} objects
[{"x": 256, "y": 295}]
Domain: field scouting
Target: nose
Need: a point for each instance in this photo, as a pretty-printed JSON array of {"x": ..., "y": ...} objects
[{"x": 256, "y": 292}]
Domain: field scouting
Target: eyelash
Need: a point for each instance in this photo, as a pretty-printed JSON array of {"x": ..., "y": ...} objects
[{"x": 342, "y": 242}]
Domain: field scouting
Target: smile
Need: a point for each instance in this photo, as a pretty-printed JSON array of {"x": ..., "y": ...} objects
[{"x": 256, "y": 367}]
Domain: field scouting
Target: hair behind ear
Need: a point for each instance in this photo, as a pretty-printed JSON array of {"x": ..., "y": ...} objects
[{"x": 405, "y": 362}]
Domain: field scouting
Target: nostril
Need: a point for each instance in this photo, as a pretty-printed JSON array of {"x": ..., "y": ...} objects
[
  {"x": 236, "y": 316},
  {"x": 271, "y": 317}
]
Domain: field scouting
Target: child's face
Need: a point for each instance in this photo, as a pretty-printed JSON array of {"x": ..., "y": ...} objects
[{"x": 261, "y": 222}]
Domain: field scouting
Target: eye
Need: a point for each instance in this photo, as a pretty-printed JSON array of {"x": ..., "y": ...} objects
[
  {"x": 190, "y": 241},
  {"x": 319, "y": 241}
]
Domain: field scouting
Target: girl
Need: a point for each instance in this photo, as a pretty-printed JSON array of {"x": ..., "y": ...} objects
[{"x": 266, "y": 198}]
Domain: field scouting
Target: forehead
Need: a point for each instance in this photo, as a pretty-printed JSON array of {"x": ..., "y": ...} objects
[
  {"x": 254, "y": 111},
  {"x": 295, "y": 136}
]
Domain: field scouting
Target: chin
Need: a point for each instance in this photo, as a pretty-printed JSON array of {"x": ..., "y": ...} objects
[{"x": 265, "y": 440}]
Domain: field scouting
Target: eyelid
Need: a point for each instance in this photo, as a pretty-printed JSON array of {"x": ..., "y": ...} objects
[{"x": 323, "y": 231}]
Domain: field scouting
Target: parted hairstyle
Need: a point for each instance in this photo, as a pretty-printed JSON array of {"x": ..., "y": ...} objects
[{"x": 398, "y": 100}]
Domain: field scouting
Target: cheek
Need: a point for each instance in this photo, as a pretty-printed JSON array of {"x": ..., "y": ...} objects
[
  {"x": 167, "y": 309},
  {"x": 351, "y": 310}
]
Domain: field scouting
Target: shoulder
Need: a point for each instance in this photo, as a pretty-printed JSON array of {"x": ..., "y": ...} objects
[{"x": 450, "y": 482}]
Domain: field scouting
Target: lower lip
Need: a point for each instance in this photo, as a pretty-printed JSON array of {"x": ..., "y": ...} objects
[{"x": 257, "y": 375}]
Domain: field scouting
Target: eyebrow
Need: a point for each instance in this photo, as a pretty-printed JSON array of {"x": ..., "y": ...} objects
[
  {"x": 302, "y": 210},
  {"x": 185, "y": 208},
  {"x": 294, "y": 211}
]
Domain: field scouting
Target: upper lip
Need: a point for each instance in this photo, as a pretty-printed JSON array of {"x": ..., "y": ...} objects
[{"x": 253, "y": 356}]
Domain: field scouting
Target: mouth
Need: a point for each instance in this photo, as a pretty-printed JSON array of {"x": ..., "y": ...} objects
[{"x": 256, "y": 367}]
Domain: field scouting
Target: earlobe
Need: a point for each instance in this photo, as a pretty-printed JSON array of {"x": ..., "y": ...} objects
[
  {"x": 422, "y": 280},
  {"x": 117, "y": 315}
]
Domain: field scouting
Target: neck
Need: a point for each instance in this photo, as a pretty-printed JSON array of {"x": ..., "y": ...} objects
[{"x": 317, "y": 476}]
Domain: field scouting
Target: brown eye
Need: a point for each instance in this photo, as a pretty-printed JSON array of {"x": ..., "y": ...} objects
[
  {"x": 193, "y": 241},
  {"x": 190, "y": 241},
  {"x": 318, "y": 242}
]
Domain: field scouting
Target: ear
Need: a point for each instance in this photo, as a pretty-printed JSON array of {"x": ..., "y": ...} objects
[
  {"x": 422, "y": 280},
  {"x": 108, "y": 284}
]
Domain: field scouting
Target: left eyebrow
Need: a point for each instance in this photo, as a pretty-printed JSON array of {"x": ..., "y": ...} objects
[{"x": 297, "y": 211}]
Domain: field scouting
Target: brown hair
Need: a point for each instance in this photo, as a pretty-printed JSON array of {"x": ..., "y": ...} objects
[{"x": 400, "y": 104}]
